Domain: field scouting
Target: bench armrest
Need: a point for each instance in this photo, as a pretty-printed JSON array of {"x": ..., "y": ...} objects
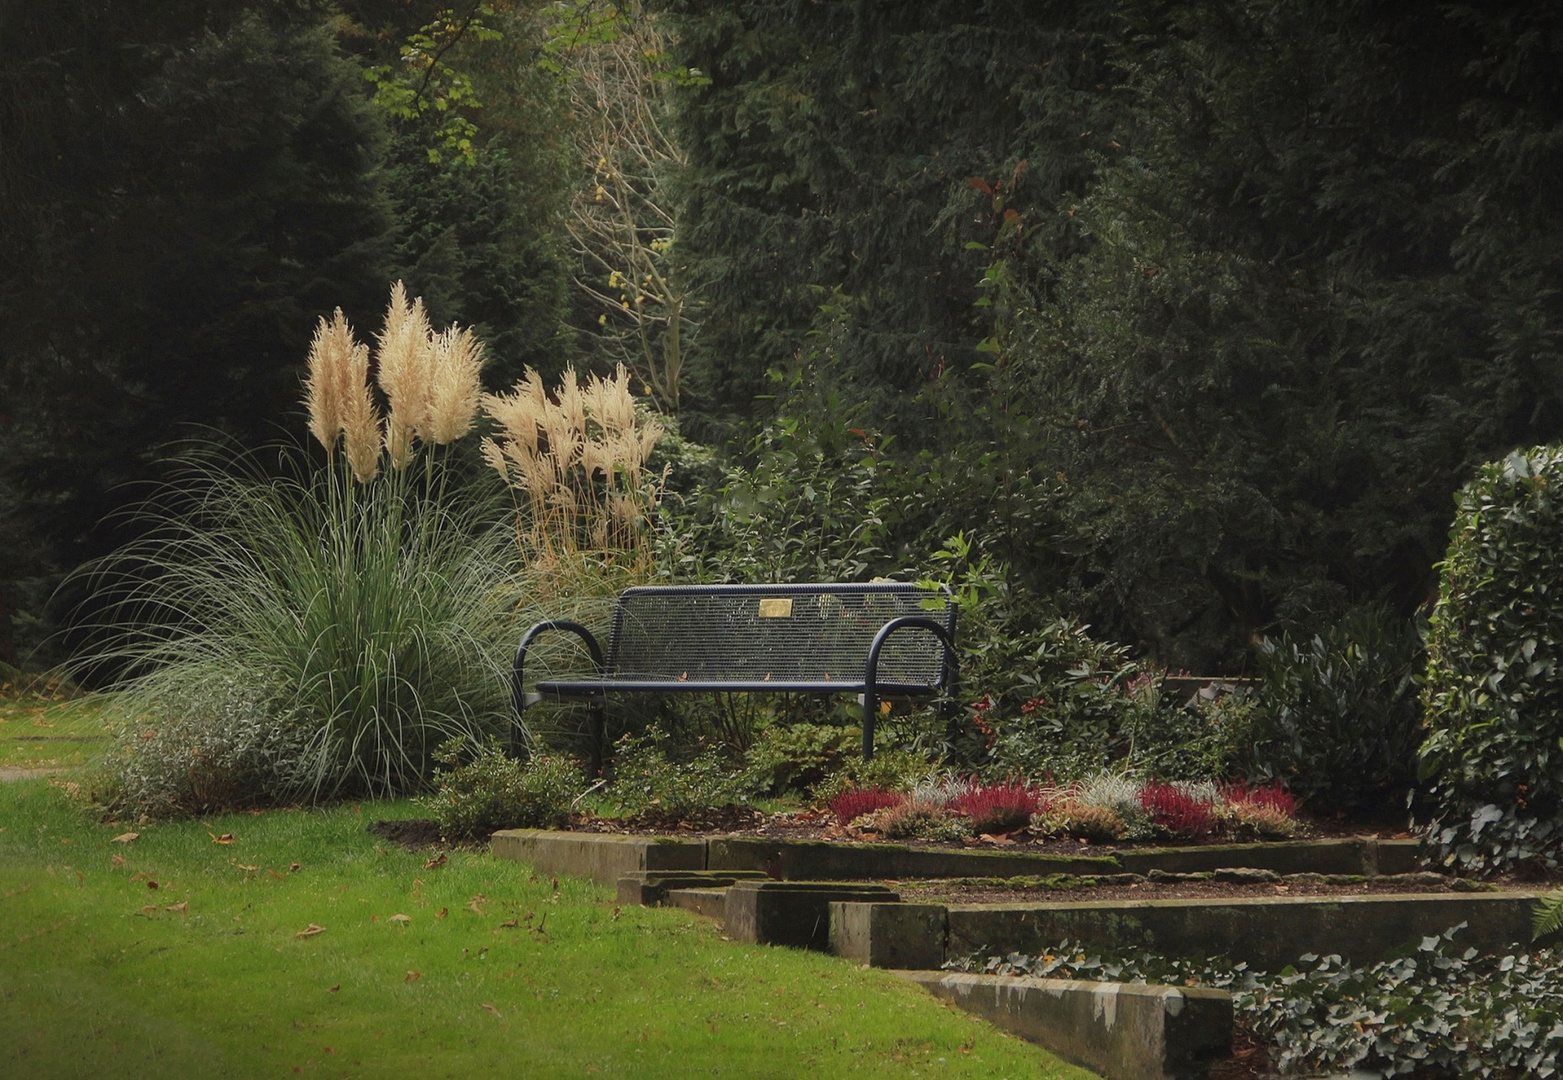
[
  {"x": 517, "y": 695},
  {"x": 871, "y": 672}
]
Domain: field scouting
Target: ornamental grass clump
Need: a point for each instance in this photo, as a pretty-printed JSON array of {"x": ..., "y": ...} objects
[
  {"x": 855, "y": 802},
  {"x": 1079, "y": 821},
  {"x": 1265, "y": 812},
  {"x": 366, "y": 611},
  {"x": 909, "y": 820},
  {"x": 578, "y": 458},
  {"x": 1178, "y": 811},
  {"x": 998, "y": 808}
]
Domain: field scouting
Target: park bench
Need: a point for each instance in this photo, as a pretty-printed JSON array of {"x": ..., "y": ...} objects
[{"x": 882, "y": 641}]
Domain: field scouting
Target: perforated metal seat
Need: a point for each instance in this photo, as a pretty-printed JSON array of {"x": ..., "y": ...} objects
[{"x": 885, "y": 639}]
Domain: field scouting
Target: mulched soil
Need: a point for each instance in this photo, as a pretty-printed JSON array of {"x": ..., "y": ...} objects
[{"x": 1250, "y": 1057}]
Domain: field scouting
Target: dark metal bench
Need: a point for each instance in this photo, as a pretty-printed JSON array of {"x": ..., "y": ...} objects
[{"x": 882, "y": 641}]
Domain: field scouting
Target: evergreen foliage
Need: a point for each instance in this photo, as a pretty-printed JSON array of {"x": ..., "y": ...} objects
[
  {"x": 1494, "y": 692},
  {"x": 1259, "y": 283},
  {"x": 185, "y": 187}
]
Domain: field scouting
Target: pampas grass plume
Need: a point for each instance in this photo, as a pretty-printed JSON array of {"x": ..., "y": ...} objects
[
  {"x": 404, "y": 362},
  {"x": 360, "y": 418},
  {"x": 454, "y": 387},
  {"x": 330, "y": 353}
]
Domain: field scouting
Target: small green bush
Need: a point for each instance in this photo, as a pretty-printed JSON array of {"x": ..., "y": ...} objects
[
  {"x": 654, "y": 778},
  {"x": 797, "y": 757},
  {"x": 1337, "y": 718},
  {"x": 493, "y": 791},
  {"x": 213, "y": 746},
  {"x": 1494, "y": 689},
  {"x": 888, "y": 770}
]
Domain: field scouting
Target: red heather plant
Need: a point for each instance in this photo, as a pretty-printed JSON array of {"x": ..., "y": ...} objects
[
  {"x": 1175, "y": 810},
  {"x": 855, "y": 802},
  {"x": 998, "y": 808},
  {"x": 1273, "y": 795}
]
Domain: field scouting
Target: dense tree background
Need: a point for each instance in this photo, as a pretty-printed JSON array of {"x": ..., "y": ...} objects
[
  {"x": 184, "y": 188},
  {"x": 1260, "y": 282},
  {"x": 1193, "y": 314}
]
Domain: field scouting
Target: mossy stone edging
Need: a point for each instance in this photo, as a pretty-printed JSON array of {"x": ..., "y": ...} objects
[
  {"x": 1266, "y": 933},
  {"x": 608, "y": 857}
]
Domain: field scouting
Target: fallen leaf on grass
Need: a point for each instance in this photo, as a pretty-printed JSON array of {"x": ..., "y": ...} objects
[
  {"x": 491, "y": 1009},
  {"x": 115, "y": 860},
  {"x": 246, "y": 866},
  {"x": 310, "y": 931},
  {"x": 150, "y": 909},
  {"x": 125, "y": 838},
  {"x": 292, "y": 868},
  {"x": 413, "y": 976},
  {"x": 400, "y": 918},
  {"x": 225, "y": 838},
  {"x": 440, "y": 860},
  {"x": 508, "y": 924},
  {"x": 274, "y": 874},
  {"x": 440, "y": 914},
  {"x": 182, "y": 908},
  {"x": 333, "y": 989},
  {"x": 475, "y": 905},
  {"x": 151, "y": 884}
]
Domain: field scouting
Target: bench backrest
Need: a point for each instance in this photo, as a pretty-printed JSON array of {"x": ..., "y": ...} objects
[{"x": 776, "y": 633}]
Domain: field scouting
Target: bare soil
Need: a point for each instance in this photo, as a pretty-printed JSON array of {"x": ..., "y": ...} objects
[{"x": 970, "y": 891}]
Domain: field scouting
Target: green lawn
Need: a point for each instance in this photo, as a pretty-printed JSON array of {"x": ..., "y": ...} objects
[
  {"x": 472, "y": 968},
  {"x": 38, "y": 732}
]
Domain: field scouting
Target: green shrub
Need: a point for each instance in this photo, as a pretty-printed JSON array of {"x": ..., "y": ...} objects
[
  {"x": 655, "y": 779},
  {"x": 1065, "y": 707},
  {"x": 797, "y": 757},
  {"x": 1494, "y": 689},
  {"x": 214, "y": 744},
  {"x": 492, "y": 791},
  {"x": 888, "y": 770},
  {"x": 1337, "y": 718}
]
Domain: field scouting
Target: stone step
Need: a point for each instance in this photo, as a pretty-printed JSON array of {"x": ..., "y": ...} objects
[
  {"x": 1119, "y": 1030},
  {"x": 1266, "y": 933},
  {"x": 712, "y": 903}
]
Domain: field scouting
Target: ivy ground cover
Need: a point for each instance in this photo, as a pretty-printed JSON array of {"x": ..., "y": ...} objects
[{"x": 293, "y": 943}]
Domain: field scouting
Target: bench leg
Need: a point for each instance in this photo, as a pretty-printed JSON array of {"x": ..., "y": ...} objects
[{"x": 599, "y": 737}]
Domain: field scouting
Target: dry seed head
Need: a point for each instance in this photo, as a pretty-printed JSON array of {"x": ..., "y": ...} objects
[
  {"x": 360, "y": 419},
  {"x": 572, "y": 403},
  {"x": 457, "y": 360},
  {"x": 516, "y": 415},
  {"x": 495, "y": 457},
  {"x": 330, "y": 352},
  {"x": 404, "y": 362}
]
